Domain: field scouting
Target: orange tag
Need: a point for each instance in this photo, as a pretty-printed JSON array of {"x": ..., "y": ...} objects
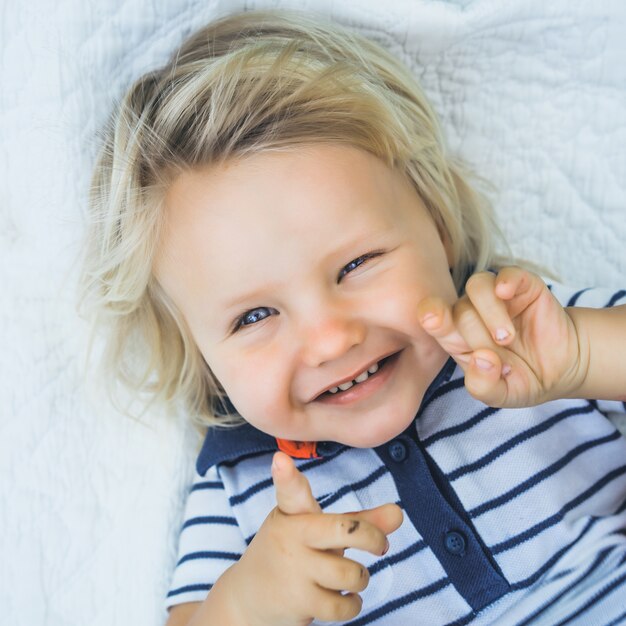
[{"x": 298, "y": 449}]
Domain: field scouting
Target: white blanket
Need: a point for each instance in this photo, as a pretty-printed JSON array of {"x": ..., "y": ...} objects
[{"x": 532, "y": 93}]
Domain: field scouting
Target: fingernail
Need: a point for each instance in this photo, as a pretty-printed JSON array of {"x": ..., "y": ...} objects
[
  {"x": 506, "y": 370},
  {"x": 501, "y": 334},
  {"x": 483, "y": 364},
  {"x": 275, "y": 465},
  {"x": 428, "y": 319},
  {"x": 386, "y": 548}
]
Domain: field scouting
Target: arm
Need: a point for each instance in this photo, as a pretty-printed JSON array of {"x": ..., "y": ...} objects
[
  {"x": 294, "y": 570},
  {"x": 181, "y": 614},
  {"x": 602, "y": 340}
]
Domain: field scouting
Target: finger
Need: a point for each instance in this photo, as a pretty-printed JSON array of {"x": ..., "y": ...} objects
[
  {"x": 481, "y": 291},
  {"x": 470, "y": 325},
  {"x": 386, "y": 518},
  {"x": 519, "y": 288},
  {"x": 335, "y": 531},
  {"x": 293, "y": 492},
  {"x": 485, "y": 369},
  {"x": 435, "y": 316},
  {"x": 340, "y": 574},
  {"x": 332, "y": 606},
  {"x": 461, "y": 332},
  {"x": 485, "y": 378}
]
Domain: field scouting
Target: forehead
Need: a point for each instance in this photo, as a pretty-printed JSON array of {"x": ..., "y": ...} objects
[
  {"x": 285, "y": 190},
  {"x": 224, "y": 223}
]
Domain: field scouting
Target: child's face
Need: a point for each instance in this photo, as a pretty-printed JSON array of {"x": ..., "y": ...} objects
[{"x": 299, "y": 271}]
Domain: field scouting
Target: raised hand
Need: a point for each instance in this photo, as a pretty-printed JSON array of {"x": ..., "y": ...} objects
[
  {"x": 294, "y": 570},
  {"x": 516, "y": 344}
]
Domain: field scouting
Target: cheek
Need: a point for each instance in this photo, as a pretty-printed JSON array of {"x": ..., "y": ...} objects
[
  {"x": 396, "y": 304},
  {"x": 254, "y": 383},
  {"x": 398, "y": 310},
  {"x": 396, "y": 301}
]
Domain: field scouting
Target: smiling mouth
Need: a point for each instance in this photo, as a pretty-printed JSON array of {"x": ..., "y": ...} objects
[{"x": 362, "y": 383}]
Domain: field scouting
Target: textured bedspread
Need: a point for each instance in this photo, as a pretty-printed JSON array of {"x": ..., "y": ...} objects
[{"x": 531, "y": 93}]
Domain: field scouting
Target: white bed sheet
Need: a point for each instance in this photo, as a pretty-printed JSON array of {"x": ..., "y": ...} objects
[{"x": 531, "y": 93}]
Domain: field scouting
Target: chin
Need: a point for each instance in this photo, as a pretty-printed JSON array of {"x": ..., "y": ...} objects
[
  {"x": 370, "y": 442},
  {"x": 369, "y": 437}
]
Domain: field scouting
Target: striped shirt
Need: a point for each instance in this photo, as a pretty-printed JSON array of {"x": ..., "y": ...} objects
[{"x": 511, "y": 516}]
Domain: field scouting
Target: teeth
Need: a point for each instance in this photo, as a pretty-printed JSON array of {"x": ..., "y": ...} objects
[{"x": 359, "y": 379}]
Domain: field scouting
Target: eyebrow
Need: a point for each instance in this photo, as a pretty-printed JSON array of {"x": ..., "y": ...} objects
[
  {"x": 371, "y": 240},
  {"x": 240, "y": 299}
]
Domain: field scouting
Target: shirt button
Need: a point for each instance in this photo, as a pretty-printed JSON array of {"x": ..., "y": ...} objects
[
  {"x": 398, "y": 451},
  {"x": 455, "y": 543}
]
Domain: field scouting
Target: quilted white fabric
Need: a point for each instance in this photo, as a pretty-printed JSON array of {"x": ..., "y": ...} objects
[{"x": 531, "y": 93}]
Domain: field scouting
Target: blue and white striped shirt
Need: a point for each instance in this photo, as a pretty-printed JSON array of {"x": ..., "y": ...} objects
[{"x": 512, "y": 516}]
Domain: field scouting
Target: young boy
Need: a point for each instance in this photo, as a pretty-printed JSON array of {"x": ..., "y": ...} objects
[{"x": 277, "y": 217}]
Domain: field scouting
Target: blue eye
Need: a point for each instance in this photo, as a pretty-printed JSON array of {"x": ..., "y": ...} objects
[
  {"x": 253, "y": 316},
  {"x": 355, "y": 263}
]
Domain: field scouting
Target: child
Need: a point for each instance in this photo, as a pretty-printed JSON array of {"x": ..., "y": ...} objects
[{"x": 278, "y": 226}]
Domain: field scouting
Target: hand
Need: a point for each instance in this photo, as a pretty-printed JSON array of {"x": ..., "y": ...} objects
[
  {"x": 516, "y": 344},
  {"x": 294, "y": 570}
]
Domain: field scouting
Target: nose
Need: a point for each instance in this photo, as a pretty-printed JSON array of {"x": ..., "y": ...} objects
[{"x": 329, "y": 335}]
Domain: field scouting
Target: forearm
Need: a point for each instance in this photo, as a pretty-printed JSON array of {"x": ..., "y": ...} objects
[{"x": 602, "y": 341}]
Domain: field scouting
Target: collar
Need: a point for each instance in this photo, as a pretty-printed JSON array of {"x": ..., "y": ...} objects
[{"x": 229, "y": 444}]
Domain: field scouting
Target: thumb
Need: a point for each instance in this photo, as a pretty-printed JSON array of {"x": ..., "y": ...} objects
[{"x": 293, "y": 492}]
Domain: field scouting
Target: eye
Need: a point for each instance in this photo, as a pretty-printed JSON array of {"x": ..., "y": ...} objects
[
  {"x": 346, "y": 269},
  {"x": 253, "y": 316}
]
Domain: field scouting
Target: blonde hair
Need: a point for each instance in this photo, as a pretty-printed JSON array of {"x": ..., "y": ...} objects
[{"x": 244, "y": 84}]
